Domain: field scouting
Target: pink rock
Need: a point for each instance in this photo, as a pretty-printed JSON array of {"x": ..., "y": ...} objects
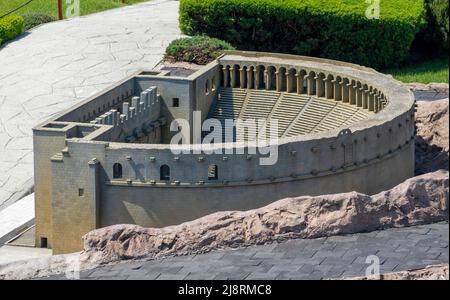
[
  {"x": 420, "y": 200},
  {"x": 432, "y": 149}
]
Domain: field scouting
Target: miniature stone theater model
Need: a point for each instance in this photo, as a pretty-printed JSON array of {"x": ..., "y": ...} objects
[{"x": 108, "y": 160}]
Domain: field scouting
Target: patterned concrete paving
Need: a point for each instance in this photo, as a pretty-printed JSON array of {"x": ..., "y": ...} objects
[
  {"x": 58, "y": 64},
  {"x": 334, "y": 257},
  {"x": 16, "y": 216}
]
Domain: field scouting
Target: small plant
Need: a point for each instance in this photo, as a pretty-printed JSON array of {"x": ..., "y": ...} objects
[
  {"x": 10, "y": 27},
  {"x": 197, "y": 49},
  {"x": 35, "y": 19}
]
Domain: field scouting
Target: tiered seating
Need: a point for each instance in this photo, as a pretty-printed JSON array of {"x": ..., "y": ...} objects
[
  {"x": 306, "y": 114},
  {"x": 361, "y": 114},
  {"x": 338, "y": 116},
  {"x": 311, "y": 116},
  {"x": 259, "y": 105},
  {"x": 287, "y": 110},
  {"x": 229, "y": 104}
]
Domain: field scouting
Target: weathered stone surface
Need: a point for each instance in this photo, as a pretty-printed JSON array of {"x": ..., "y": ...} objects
[
  {"x": 181, "y": 69},
  {"x": 419, "y": 200},
  {"x": 432, "y": 122},
  {"x": 437, "y": 272},
  {"x": 434, "y": 86},
  {"x": 432, "y": 149},
  {"x": 38, "y": 267}
]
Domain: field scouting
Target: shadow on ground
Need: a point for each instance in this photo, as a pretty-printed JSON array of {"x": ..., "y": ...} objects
[{"x": 429, "y": 158}]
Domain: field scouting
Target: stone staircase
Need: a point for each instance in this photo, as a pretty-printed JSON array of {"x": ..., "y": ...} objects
[
  {"x": 311, "y": 116},
  {"x": 258, "y": 106},
  {"x": 288, "y": 109},
  {"x": 361, "y": 114},
  {"x": 229, "y": 104},
  {"x": 337, "y": 117}
]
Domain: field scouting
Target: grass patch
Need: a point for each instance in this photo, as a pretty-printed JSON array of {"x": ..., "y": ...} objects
[
  {"x": 49, "y": 7},
  {"x": 432, "y": 70}
]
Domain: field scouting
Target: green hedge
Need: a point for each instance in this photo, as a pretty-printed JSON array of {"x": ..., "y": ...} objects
[
  {"x": 10, "y": 27},
  {"x": 337, "y": 29},
  {"x": 35, "y": 19},
  {"x": 439, "y": 19},
  {"x": 197, "y": 49}
]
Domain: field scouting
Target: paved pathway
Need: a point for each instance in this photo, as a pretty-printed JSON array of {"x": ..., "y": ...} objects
[
  {"x": 9, "y": 254},
  {"x": 15, "y": 217},
  {"x": 334, "y": 257},
  {"x": 61, "y": 63}
]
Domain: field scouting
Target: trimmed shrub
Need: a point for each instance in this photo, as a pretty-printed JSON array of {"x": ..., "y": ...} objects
[
  {"x": 197, "y": 49},
  {"x": 35, "y": 19},
  {"x": 10, "y": 27},
  {"x": 432, "y": 40},
  {"x": 439, "y": 19},
  {"x": 337, "y": 29}
]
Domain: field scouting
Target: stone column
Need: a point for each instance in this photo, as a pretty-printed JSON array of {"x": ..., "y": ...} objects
[
  {"x": 289, "y": 82},
  {"x": 232, "y": 77},
  {"x": 114, "y": 116},
  {"x": 311, "y": 84},
  {"x": 268, "y": 80},
  {"x": 108, "y": 118},
  {"x": 242, "y": 78},
  {"x": 278, "y": 84},
  {"x": 359, "y": 99},
  {"x": 299, "y": 77},
  {"x": 320, "y": 89},
  {"x": 352, "y": 93},
  {"x": 126, "y": 110},
  {"x": 250, "y": 78},
  {"x": 226, "y": 76},
  {"x": 328, "y": 88},
  {"x": 372, "y": 105},
  {"x": 257, "y": 77},
  {"x": 379, "y": 105},
  {"x": 365, "y": 102},
  {"x": 144, "y": 99},
  {"x": 345, "y": 92},
  {"x": 337, "y": 90},
  {"x": 135, "y": 103}
]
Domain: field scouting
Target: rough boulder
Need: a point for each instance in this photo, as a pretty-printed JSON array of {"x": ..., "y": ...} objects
[
  {"x": 432, "y": 149},
  {"x": 419, "y": 200}
]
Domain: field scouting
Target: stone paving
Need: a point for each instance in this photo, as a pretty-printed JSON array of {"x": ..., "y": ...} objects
[
  {"x": 9, "y": 254},
  {"x": 333, "y": 257},
  {"x": 60, "y": 63},
  {"x": 15, "y": 216}
]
